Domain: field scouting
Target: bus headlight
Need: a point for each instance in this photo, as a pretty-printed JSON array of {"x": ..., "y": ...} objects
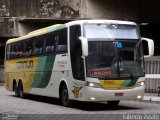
[
  {"x": 140, "y": 83},
  {"x": 96, "y": 85}
]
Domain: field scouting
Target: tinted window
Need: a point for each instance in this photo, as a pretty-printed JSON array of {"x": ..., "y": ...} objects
[
  {"x": 15, "y": 50},
  {"x": 53, "y": 42},
  {"x": 8, "y": 51},
  {"x": 50, "y": 43},
  {"x": 76, "y": 53},
  {"x": 29, "y": 47},
  {"x": 62, "y": 40},
  {"x": 39, "y": 43}
]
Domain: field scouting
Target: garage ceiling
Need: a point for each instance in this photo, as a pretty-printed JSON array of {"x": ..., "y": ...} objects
[{"x": 149, "y": 10}]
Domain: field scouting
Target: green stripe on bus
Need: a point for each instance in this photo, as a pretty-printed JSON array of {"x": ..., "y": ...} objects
[
  {"x": 129, "y": 83},
  {"x": 44, "y": 68},
  {"x": 132, "y": 83},
  {"x": 54, "y": 28},
  {"x": 126, "y": 83}
]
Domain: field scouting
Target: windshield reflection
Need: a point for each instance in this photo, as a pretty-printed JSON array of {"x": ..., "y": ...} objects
[
  {"x": 115, "y": 59},
  {"x": 111, "y": 31}
]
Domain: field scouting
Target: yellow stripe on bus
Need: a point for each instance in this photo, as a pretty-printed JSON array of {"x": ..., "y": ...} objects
[{"x": 22, "y": 69}]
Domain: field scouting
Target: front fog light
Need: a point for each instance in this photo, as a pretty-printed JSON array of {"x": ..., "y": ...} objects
[
  {"x": 91, "y": 84},
  {"x": 93, "y": 98},
  {"x": 139, "y": 97},
  {"x": 140, "y": 83},
  {"x": 96, "y": 85}
]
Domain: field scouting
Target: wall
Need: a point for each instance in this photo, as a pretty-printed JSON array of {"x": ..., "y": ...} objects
[
  {"x": 113, "y": 9},
  {"x": 40, "y": 8},
  {"x": 62, "y": 9},
  {"x": 11, "y": 11},
  {"x": 7, "y": 27},
  {"x": 150, "y": 11}
]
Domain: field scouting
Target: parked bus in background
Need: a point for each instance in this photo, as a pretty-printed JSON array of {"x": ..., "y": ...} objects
[{"x": 83, "y": 60}]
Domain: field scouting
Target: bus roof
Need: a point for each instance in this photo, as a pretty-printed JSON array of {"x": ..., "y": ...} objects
[
  {"x": 60, "y": 26},
  {"x": 100, "y": 21},
  {"x": 38, "y": 32}
]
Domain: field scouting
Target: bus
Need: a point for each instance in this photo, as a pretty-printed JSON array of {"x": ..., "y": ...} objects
[{"x": 82, "y": 60}]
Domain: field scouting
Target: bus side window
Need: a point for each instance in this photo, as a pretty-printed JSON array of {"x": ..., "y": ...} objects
[
  {"x": 21, "y": 49},
  {"x": 62, "y": 41},
  {"x": 29, "y": 48},
  {"x": 11, "y": 51},
  {"x": 38, "y": 49},
  {"x": 8, "y": 52},
  {"x": 50, "y": 43},
  {"x": 16, "y": 50}
]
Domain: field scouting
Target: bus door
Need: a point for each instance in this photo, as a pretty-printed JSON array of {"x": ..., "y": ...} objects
[{"x": 77, "y": 62}]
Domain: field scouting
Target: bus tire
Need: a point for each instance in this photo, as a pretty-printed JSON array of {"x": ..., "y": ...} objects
[
  {"x": 113, "y": 103},
  {"x": 20, "y": 90},
  {"x": 65, "y": 97},
  {"x": 15, "y": 89}
]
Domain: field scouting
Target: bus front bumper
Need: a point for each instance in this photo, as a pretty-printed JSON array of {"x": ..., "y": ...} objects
[{"x": 99, "y": 94}]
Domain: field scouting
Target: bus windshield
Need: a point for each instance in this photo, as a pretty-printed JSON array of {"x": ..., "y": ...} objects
[
  {"x": 111, "y": 31},
  {"x": 115, "y": 51},
  {"x": 115, "y": 59}
]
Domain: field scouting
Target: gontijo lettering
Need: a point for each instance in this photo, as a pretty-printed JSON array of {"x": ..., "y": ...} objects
[{"x": 24, "y": 64}]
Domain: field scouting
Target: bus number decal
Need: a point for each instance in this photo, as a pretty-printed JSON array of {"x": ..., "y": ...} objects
[
  {"x": 25, "y": 64},
  {"x": 100, "y": 72}
]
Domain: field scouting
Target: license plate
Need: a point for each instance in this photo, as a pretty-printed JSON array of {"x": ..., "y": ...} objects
[{"x": 118, "y": 94}]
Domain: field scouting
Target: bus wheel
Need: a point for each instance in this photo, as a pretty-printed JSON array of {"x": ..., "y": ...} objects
[
  {"x": 113, "y": 103},
  {"x": 65, "y": 97},
  {"x": 15, "y": 88},
  {"x": 20, "y": 90}
]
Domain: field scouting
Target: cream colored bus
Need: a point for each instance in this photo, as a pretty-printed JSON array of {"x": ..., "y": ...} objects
[{"x": 84, "y": 60}]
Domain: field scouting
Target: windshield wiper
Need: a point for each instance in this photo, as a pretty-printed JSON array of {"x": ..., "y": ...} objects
[{"x": 130, "y": 73}]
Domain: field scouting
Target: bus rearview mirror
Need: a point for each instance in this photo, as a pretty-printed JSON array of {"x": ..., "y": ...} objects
[
  {"x": 148, "y": 46},
  {"x": 84, "y": 44}
]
